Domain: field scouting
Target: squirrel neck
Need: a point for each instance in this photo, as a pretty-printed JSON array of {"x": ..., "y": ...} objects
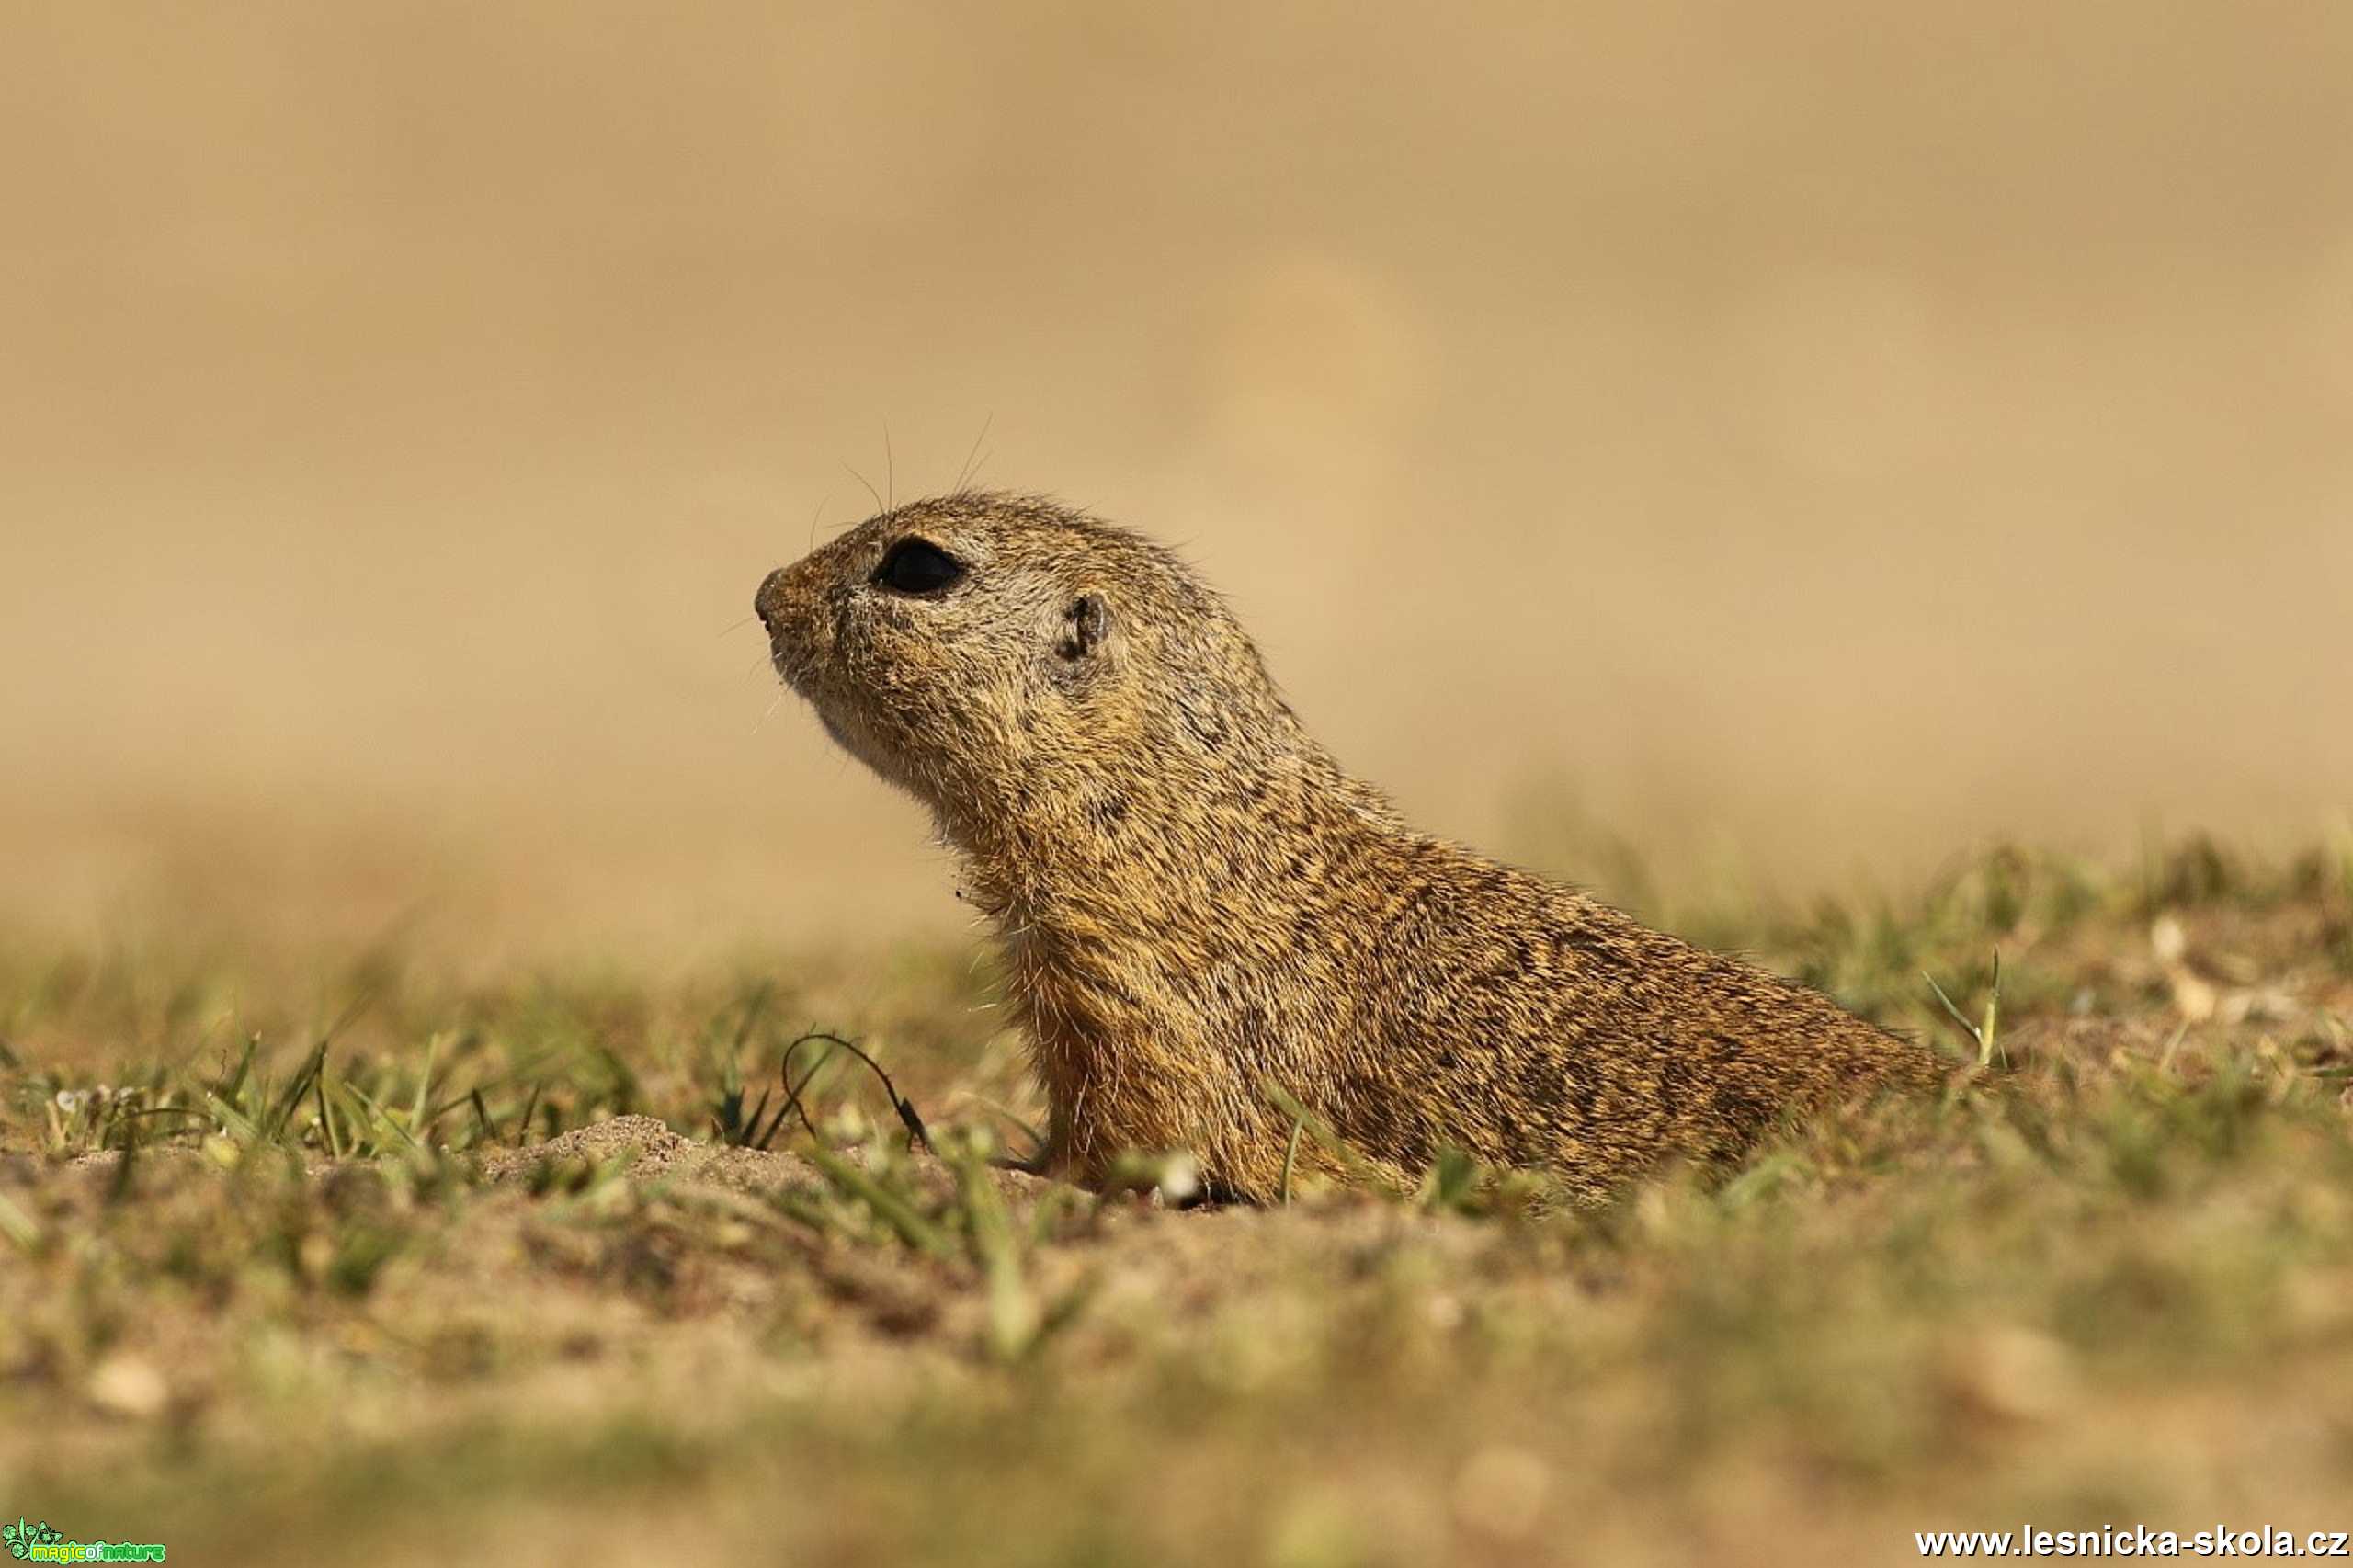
[{"x": 1208, "y": 833}]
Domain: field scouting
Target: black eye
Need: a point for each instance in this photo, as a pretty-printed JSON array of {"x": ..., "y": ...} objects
[{"x": 918, "y": 566}]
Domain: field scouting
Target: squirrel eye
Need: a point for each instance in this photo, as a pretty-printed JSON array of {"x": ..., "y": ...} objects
[{"x": 918, "y": 566}]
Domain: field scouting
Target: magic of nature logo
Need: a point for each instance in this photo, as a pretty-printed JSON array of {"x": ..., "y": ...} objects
[{"x": 44, "y": 1543}]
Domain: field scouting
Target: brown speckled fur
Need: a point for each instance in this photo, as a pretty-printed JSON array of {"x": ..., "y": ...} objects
[{"x": 1197, "y": 901}]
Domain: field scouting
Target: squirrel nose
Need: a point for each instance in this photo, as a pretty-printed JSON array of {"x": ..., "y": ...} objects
[{"x": 769, "y": 600}]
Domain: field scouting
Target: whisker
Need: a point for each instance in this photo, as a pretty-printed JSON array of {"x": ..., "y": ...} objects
[
  {"x": 965, "y": 474},
  {"x": 869, "y": 488},
  {"x": 774, "y": 703}
]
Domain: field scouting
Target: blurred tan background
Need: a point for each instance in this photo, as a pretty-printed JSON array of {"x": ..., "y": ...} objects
[{"x": 1805, "y": 439}]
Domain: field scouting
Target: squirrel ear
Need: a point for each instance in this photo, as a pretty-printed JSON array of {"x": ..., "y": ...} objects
[{"x": 1085, "y": 623}]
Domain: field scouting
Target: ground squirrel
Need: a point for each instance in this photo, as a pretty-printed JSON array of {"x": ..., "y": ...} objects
[{"x": 1204, "y": 916}]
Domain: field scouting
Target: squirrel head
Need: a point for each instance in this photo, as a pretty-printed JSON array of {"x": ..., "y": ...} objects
[{"x": 1006, "y": 660}]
